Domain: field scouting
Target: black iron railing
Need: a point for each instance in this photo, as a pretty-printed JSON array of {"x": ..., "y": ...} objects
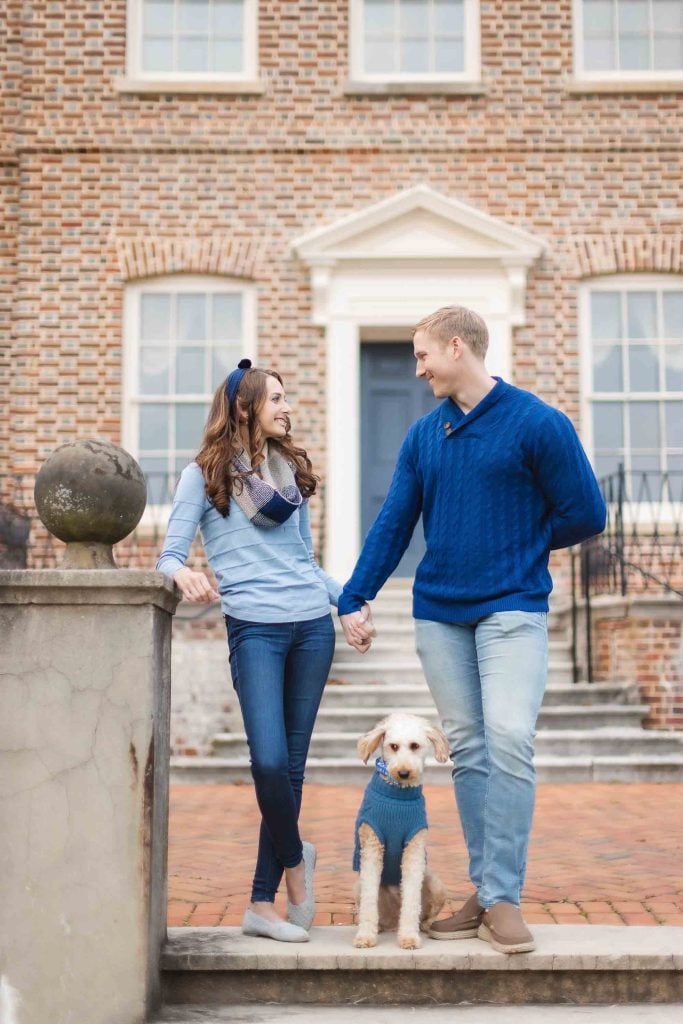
[{"x": 640, "y": 551}]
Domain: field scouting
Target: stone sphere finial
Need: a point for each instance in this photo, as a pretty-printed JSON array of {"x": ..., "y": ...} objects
[{"x": 90, "y": 494}]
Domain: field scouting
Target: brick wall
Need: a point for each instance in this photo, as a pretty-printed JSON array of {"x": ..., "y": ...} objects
[
  {"x": 641, "y": 641},
  {"x": 101, "y": 187}
]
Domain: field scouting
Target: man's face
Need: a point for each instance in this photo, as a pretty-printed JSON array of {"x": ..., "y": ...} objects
[{"x": 437, "y": 362}]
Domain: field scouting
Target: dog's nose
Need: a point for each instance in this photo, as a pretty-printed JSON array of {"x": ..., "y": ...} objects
[{"x": 404, "y": 775}]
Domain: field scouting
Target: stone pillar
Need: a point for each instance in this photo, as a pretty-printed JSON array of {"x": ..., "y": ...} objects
[{"x": 84, "y": 757}]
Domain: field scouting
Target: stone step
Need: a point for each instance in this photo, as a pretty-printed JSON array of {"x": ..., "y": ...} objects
[
  {"x": 370, "y": 672},
  {"x": 608, "y": 742},
  {"x": 589, "y": 964},
  {"x": 397, "y": 616},
  {"x": 402, "y": 652},
  {"x": 417, "y": 694},
  {"x": 331, "y": 771},
  {"x": 400, "y": 642},
  {"x": 292, "y": 1013},
  {"x": 599, "y": 716}
]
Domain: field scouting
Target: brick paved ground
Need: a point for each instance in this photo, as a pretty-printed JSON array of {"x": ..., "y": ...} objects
[{"x": 600, "y": 854}]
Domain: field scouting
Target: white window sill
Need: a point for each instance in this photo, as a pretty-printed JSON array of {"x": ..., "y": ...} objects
[
  {"x": 583, "y": 85},
  {"x": 403, "y": 87},
  {"x": 253, "y": 87}
]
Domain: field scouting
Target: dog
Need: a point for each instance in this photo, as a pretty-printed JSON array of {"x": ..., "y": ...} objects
[{"x": 396, "y": 889}]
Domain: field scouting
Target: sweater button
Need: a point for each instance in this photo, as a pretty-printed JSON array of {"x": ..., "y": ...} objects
[{"x": 447, "y": 426}]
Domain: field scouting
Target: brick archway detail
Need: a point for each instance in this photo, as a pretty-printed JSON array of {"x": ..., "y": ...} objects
[
  {"x": 214, "y": 254},
  {"x": 617, "y": 253}
]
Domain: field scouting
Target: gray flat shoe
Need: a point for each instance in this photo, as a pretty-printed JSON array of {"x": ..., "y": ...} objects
[
  {"x": 282, "y": 931},
  {"x": 302, "y": 914}
]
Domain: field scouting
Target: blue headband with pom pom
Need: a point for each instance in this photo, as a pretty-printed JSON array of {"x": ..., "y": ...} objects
[{"x": 235, "y": 379}]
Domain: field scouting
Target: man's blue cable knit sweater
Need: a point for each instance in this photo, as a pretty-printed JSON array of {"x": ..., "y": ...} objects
[{"x": 498, "y": 488}]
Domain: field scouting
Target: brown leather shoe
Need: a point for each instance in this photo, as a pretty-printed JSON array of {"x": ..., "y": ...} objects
[
  {"x": 462, "y": 925},
  {"x": 503, "y": 926}
]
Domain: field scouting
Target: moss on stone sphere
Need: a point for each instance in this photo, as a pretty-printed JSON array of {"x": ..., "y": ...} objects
[{"x": 90, "y": 491}]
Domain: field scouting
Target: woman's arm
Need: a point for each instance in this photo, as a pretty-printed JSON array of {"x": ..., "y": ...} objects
[
  {"x": 333, "y": 587},
  {"x": 188, "y": 507}
]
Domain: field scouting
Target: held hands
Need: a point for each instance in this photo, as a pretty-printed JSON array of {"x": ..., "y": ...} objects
[
  {"x": 359, "y": 629},
  {"x": 194, "y": 586}
]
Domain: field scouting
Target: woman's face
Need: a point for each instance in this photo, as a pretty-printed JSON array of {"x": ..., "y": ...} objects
[{"x": 273, "y": 416}]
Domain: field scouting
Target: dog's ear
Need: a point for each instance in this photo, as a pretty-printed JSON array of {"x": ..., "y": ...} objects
[
  {"x": 440, "y": 744},
  {"x": 370, "y": 741}
]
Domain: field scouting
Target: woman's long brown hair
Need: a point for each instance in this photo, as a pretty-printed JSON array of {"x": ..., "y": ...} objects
[{"x": 222, "y": 441}]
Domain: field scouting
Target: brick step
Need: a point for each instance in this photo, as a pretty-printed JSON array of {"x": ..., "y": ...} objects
[
  {"x": 561, "y": 716},
  {"x": 387, "y": 695},
  {"x": 330, "y": 771},
  {"x": 578, "y": 964},
  {"x": 608, "y": 742}
]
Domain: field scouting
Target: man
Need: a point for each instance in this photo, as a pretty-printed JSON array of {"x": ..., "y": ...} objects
[{"x": 501, "y": 479}]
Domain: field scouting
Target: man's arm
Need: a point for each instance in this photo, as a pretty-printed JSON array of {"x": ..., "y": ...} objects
[
  {"x": 388, "y": 536},
  {"x": 576, "y": 506}
]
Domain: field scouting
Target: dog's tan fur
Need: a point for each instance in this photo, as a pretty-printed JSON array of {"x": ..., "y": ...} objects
[{"x": 419, "y": 899}]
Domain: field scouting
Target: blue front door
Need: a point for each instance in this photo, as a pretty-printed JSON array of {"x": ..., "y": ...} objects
[{"x": 391, "y": 399}]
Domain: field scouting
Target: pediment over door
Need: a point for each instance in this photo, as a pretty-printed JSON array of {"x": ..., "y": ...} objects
[
  {"x": 418, "y": 222},
  {"x": 388, "y": 265}
]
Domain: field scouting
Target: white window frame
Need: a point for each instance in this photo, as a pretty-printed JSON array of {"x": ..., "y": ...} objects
[
  {"x": 614, "y": 76},
  {"x": 136, "y": 74},
  {"x": 644, "y": 512},
  {"x": 471, "y": 72},
  {"x": 177, "y": 283}
]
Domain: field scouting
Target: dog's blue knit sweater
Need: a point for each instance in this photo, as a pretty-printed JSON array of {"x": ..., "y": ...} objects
[{"x": 395, "y": 814}]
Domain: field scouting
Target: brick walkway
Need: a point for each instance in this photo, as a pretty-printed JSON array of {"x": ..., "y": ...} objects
[{"x": 600, "y": 853}]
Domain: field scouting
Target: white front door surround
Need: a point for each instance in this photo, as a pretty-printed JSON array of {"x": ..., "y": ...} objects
[{"x": 385, "y": 268}]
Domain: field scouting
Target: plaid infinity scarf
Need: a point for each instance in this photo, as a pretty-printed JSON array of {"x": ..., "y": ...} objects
[{"x": 269, "y": 493}]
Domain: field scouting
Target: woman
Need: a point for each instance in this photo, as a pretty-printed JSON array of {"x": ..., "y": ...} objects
[{"x": 248, "y": 493}]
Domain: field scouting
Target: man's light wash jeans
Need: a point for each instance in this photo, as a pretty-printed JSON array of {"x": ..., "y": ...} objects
[{"x": 487, "y": 679}]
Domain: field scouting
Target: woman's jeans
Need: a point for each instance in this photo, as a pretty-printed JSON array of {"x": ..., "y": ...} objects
[
  {"x": 279, "y": 671},
  {"x": 487, "y": 679}
]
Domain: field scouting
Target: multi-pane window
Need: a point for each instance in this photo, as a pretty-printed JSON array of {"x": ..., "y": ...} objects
[
  {"x": 430, "y": 39},
  {"x": 635, "y": 335},
  {"x": 195, "y": 38},
  {"x": 183, "y": 342},
  {"x": 633, "y": 38}
]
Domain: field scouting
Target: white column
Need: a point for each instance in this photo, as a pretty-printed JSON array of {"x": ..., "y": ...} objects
[
  {"x": 499, "y": 356},
  {"x": 342, "y": 523}
]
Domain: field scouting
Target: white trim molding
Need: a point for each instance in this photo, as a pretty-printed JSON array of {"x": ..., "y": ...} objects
[
  {"x": 138, "y": 80},
  {"x": 131, "y": 398},
  {"x": 386, "y": 267},
  {"x": 650, "y": 509},
  {"x": 616, "y": 79},
  {"x": 360, "y": 77}
]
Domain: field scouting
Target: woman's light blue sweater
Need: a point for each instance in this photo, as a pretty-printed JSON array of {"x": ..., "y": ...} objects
[{"x": 263, "y": 575}]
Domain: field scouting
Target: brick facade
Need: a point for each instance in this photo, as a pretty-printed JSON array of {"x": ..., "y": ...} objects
[
  {"x": 102, "y": 187},
  {"x": 641, "y": 641}
]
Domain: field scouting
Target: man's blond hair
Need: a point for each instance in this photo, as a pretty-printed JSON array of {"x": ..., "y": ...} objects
[{"x": 451, "y": 320}]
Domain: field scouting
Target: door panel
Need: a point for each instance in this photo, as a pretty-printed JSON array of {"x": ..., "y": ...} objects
[{"x": 391, "y": 399}]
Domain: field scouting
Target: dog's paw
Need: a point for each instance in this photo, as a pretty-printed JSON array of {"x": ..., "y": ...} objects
[
  {"x": 409, "y": 941},
  {"x": 364, "y": 940}
]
